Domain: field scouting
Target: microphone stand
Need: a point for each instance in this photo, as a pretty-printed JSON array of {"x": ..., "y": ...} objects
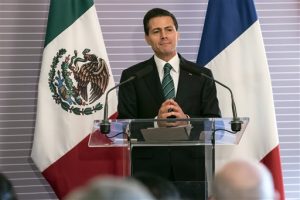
[
  {"x": 213, "y": 149},
  {"x": 236, "y": 123},
  {"x": 105, "y": 124}
]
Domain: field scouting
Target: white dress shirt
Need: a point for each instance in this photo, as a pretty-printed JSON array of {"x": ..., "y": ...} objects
[{"x": 174, "y": 62}]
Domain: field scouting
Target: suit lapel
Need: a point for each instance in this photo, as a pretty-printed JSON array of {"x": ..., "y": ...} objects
[
  {"x": 153, "y": 83},
  {"x": 183, "y": 84}
]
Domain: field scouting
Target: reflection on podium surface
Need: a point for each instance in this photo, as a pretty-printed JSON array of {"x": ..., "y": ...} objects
[
  {"x": 183, "y": 155},
  {"x": 117, "y": 137}
]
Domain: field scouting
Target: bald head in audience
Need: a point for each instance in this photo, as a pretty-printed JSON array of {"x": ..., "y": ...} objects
[
  {"x": 111, "y": 188},
  {"x": 244, "y": 180}
]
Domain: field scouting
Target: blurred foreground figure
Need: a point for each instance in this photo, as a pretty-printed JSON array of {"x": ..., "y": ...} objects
[
  {"x": 111, "y": 188},
  {"x": 6, "y": 189},
  {"x": 244, "y": 180},
  {"x": 160, "y": 188}
]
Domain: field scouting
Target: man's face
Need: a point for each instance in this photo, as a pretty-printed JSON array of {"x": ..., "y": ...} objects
[{"x": 162, "y": 37}]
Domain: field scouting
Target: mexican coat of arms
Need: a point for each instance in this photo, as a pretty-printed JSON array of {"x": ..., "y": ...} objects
[{"x": 79, "y": 82}]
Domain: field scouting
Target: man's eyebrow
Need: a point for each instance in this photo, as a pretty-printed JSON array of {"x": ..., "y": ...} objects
[
  {"x": 156, "y": 28},
  {"x": 159, "y": 28},
  {"x": 169, "y": 26}
]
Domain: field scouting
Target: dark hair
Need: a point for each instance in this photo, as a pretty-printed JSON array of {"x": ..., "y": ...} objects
[
  {"x": 157, "y": 12},
  {"x": 6, "y": 189}
]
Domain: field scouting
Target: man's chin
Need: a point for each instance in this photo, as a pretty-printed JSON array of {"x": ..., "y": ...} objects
[{"x": 168, "y": 52}]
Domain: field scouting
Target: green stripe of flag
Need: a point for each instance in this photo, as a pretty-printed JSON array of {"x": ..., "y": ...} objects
[{"x": 62, "y": 14}]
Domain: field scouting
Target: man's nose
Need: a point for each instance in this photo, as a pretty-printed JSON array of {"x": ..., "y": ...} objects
[{"x": 163, "y": 34}]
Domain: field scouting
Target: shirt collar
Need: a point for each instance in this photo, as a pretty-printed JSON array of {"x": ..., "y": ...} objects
[{"x": 161, "y": 63}]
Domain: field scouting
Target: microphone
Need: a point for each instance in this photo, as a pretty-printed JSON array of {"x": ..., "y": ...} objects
[
  {"x": 105, "y": 124},
  {"x": 236, "y": 123}
]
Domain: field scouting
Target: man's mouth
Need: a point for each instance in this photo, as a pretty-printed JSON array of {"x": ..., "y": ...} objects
[{"x": 165, "y": 43}]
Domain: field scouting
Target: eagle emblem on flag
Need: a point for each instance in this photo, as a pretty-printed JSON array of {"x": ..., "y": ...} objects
[{"x": 79, "y": 82}]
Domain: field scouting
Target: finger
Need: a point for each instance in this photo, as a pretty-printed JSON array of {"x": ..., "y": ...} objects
[
  {"x": 167, "y": 102},
  {"x": 173, "y": 102},
  {"x": 172, "y": 114},
  {"x": 170, "y": 108},
  {"x": 164, "y": 115},
  {"x": 163, "y": 108},
  {"x": 171, "y": 124},
  {"x": 177, "y": 108}
]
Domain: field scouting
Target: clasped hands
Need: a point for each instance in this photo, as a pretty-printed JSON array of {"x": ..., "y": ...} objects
[{"x": 171, "y": 109}]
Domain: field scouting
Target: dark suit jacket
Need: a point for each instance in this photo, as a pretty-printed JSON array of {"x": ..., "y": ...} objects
[{"x": 142, "y": 98}]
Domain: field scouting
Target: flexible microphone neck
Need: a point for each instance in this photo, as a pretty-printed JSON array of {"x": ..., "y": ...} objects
[
  {"x": 235, "y": 123},
  {"x": 105, "y": 124}
]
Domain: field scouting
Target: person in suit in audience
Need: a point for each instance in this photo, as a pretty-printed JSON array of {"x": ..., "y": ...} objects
[
  {"x": 243, "y": 180},
  {"x": 111, "y": 188},
  {"x": 155, "y": 95},
  {"x": 7, "y": 191}
]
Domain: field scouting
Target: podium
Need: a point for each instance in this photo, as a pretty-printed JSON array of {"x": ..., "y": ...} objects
[{"x": 183, "y": 154}]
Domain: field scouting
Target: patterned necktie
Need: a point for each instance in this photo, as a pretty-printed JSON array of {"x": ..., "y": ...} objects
[{"x": 168, "y": 83}]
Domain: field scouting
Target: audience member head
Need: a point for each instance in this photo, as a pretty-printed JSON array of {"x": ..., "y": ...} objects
[
  {"x": 243, "y": 180},
  {"x": 111, "y": 188},
  {"x": 6, "y": 189},
  {"x": 157, "y": 12},
  {"x": 160, "y": 188}
]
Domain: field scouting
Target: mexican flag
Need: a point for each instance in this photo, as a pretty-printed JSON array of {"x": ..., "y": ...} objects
[
  {"x": 232, "y": 47},
  {"x": 75, "y": 76}
]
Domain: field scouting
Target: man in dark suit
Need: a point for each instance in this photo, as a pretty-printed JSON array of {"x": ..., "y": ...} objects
[{"x": 145, "y": 97}]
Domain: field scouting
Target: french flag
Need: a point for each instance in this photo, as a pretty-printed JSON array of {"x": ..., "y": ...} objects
[{"x": 232, "y": 47}]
